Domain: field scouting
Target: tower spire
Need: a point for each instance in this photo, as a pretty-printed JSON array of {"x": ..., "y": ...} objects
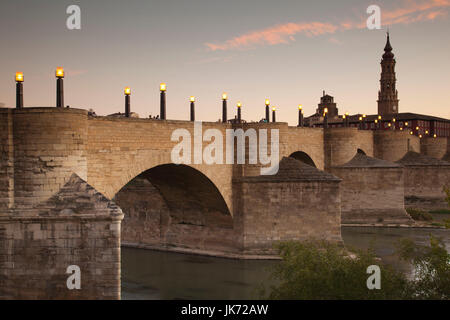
[
  {"x": 388, "y": 47},
  {"x": 388, "y": 95}
]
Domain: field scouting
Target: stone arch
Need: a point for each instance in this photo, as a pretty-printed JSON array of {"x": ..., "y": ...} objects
[
  {"x": 303, "y": 157},
  {"x": 361, "y": 151},
  {"x": 183, "y": 184},
  {"x": 174, "y": 205},
  {"x": 110, "y": 175}
]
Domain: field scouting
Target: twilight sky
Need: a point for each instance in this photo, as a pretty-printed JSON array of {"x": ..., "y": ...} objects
[{"x": 286, "y": 50}]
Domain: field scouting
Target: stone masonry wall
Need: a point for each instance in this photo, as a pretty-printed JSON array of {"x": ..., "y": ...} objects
[
  {"x": 49, "y": 146},
  {"x": 424, "y": 186},
  {"x": 291, "y": 211},
  {"x": 372, "y": 195},
  {"x": 393, "y": 145},
  {"x": 434, "y": 147},
  {"x": 6, "y": 160},
  {"x": 341, "y": 144},
  {"x": 77, "y": 226}
]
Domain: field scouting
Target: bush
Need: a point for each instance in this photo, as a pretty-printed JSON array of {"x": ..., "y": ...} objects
[
  {"x": 419, "y": 215},
  {"x": 441, "y": 211},
  {"x": 321, "y": 270},
  {"x": 432, "y": 269},
  {"x": 447, "y": 192}
]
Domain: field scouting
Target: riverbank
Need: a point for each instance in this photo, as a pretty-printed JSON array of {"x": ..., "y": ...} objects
[{"x": 237, "y": 256}]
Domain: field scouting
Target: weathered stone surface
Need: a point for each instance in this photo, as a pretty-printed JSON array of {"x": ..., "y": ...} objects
[
  {"x": 372, "y": 191},
  {"x": 287, "y": 206},
  {"x": 425, "y": 178},
  {"x": 76, "y": 226},
  {"x": 41, "y": 148}
]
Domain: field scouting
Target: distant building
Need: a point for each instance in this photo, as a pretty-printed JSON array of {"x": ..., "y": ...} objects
[
  {"x": 326, "y": 103},
  {"x": 388, "y": 117}
]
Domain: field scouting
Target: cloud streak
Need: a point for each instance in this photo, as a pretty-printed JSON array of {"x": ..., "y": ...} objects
[{"x": 409, "y": 12}]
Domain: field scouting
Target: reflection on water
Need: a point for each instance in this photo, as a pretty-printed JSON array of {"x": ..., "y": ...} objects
[{"x": 150, "y": 274}]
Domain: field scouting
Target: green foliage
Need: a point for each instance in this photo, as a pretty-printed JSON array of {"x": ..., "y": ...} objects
[
  {"x": 447, "y": 223},
  {"x": 432, "y": 269},
  {"x": 447, "y": 192},
  {"x": 321, "y": 270},
  {"x": 441, "y": 211},
  {"x": 419, "y": 215}
]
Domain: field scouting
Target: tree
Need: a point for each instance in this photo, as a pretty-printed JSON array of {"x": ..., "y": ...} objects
[
  {"x": 323, "y": 270},
  {"x": 431, "y": 269}
]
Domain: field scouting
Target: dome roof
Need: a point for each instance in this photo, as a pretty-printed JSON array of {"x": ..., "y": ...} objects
[
  {"x": 291, "y": 169},
  {"x": 362, "y": 161},
  {"x": 412, "y": 158}
]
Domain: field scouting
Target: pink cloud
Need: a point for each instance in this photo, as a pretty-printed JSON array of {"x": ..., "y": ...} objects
[
  {"x": 409, "y": 12},
  {"x": 283, "y": 33}
]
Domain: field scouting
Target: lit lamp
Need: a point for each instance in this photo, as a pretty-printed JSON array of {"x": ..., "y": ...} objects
[
  {"x": 267, "y": 103},
  {"x": 300, "y": 116},
  {"x": 325, "y": 118},
  {"x": 59, "y": 87},
  {"x": 364, "y": 121},
  {"x": 360, "y": 122},
  {"x": 379, "y": 120},
  {"x": 393, "y": 123},
  {"x": 434, "y": 135},
  {"x": 162, "y": 110},
  {"x": 274, "y": 118},
  {"x": 426, "y": 131},
  {"x": 347, "y": 119},
  {"x": 192, "y": 99},
  {"x": 239, "y": 105},
  {"x": 127, "y": 92},
  {"x": 224, "y": 107},
  {"x": 19, "y": 90}
]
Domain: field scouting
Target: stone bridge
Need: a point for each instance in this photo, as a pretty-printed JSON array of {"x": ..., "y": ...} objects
[{"x": 67, "y": 180}]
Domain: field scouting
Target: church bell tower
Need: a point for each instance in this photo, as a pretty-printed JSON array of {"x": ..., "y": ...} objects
[{"x": 388, "y": 95}]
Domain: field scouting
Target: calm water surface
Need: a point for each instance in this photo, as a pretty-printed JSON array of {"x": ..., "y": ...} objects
[{"x": 150, "y": 274}]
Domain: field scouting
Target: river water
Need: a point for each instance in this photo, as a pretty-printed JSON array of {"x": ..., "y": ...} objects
[{"x": 154, "y": 275}]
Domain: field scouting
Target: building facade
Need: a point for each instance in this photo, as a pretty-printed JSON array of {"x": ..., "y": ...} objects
[{"x": 388, "y": 117}]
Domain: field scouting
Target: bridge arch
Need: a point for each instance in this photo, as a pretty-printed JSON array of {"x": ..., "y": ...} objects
[
  {"x": 303, "y": 157},
  {"x": 174, "y": 205},
  {"x": 361, "y": 151}
]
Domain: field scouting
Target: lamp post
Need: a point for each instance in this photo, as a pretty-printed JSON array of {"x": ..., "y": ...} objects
[
  {"x": 19, "y": 90},
  {"x": 347, "y": 119},
  {"x": 325, "y": 118},
  {"x": 162, "y": 110},
  {"x": 364, "y": 121},
  {"x": 127, "y": 92},
  {"x": 60, "y": 87},
  {"x": 376, "y": 124},
  {"x": 239, "y": 105},
  {"x": 267, "y": 102},
  {"x": 224, "y": 107},
  {"x": 192, "y": 99},
  {"x": 393, "y": 123},
  {"x": 360, "y": 122},
  {"x": 379, "y": 122},
  {"x": 300, "y": 116}
]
